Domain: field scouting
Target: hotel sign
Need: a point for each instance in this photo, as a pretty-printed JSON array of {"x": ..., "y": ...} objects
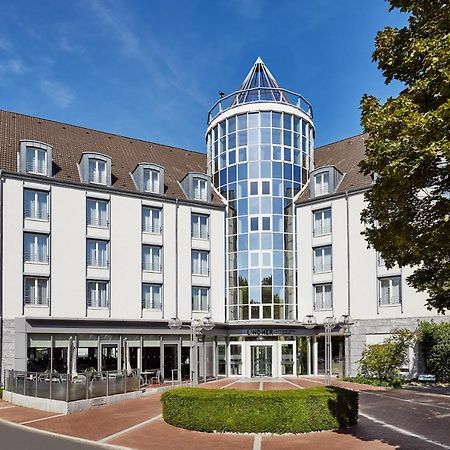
[{"x": 260, "y": 332}]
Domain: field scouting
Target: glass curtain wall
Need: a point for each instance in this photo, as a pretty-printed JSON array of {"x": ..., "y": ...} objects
[{"x": 259, "y": 161}]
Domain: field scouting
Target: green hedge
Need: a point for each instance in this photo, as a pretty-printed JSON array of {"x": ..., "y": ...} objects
[
  {"x": 290, "y": 411},
  {"x": 392, "y": 382}
]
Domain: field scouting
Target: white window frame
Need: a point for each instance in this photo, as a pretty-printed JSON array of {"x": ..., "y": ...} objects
[
  {"x": 200, "y": 189},
  {"x": 98, "y": 261},
  {"x": 197, "y": 298},
  {"x": 97, "y": 302},
  {"x": 320, "y": 290},
  {"x": 196, "y": 226},
  {"x": 319, "y": 253},
  {"x": 320, "y": 187},
  {"x": 152, "y": 211},
  {"x": 151, "y": 180},
  {"x": 35, "y": 166},
  {"x": 322, "y": 230},
  {"x": 392, "y": 300},
  {"x": 38, "y": 212},
  {"x": 150, "y": 302},
  {"x": 96, "y": 221},
  {"x": 37, "y": 299},
  {"x": 198, "y": 268},
  {"x": 35, "y": 257},
  {"x": 97, "y": 176},
  {"x": 151, "y": 250}
]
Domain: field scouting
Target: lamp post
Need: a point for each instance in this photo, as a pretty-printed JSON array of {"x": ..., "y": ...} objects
[
  {"x": 195, "y": 327},
  {"x": 329, "y": 324}
]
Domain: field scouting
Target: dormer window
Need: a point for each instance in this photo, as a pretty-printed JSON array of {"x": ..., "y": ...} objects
[
  {"x": 322, "y": 183},
  {"x": 197, "y": 186},
  {"x": 97, "y": 171},
  {"x": 200, "y": 189},
  {"x": 95, "y": 168},
  {"x": 36, "y": 161},
  {"x": 35, "y": 158},
  {"x": 151, "y": 180}
]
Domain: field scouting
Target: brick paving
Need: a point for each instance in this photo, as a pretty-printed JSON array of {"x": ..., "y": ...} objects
[{"x": 120, "y": 424}]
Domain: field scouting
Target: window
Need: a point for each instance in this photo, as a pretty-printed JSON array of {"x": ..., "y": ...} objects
[
  {"x": 322, "y": 296},
  {"x": 390, "y": 291},
  {"x": 260, "y": 223},
  {"x": 35, "y": 291},
  {"x": 36, "y": 161},
  {"x": 36, "y": 205},
  {"x": 260, "y": 187},
  {"x": 380, "y": 260},
  {"x": 200, "y": 189},
  {"x": 97, "y": 171},
  {"x": 151, "y": 296},
  {"x": 200, "y": 263},
  {"x": 97, "y": 253},
  {"x": 151, "y": 258},
  {"x": 200, "y": 299},
  {"x": 35, "y": 248},
  {"x": 151, "y": 180},
  {"x": 151, "y": 220},
  {"x": 322, "y": 259},
  {"x": 97, "y": 294},
  {"x": 322, "y": 222},
  {"x": 97, "y": 213},
  {"x": 199, "y": 226},
  {"x": 321, "y": 183}
]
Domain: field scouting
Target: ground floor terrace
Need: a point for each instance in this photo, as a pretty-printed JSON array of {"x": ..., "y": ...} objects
[
  {"x": 248, "y": 351},
  {"x": 388, "y": 419}
]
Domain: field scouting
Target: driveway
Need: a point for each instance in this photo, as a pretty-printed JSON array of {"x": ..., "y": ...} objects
[{"x": 400, "y": 419}]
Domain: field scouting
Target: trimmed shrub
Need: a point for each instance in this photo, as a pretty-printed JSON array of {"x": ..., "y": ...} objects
[
  {"x": 434, "y": 344},
  {"x": 291, "y": 411},
  {"x": 391, "y": 382}
]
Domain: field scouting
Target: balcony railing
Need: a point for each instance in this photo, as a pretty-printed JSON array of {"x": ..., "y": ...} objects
[
  {"x": 97, "y": 303},
  {"x": 36, "y": 300},
  {"x": 97, "y": 262},
  {"x": 37, "y": 213},
  {"x": 259, "y": 95},
  {"x": 152, "y": 267},
  {"x": 97, "y": 177},
  {"x": 36, "y": 257},
  {"x": 322, "y": 268},
  {"x": 97, "y": 222}
]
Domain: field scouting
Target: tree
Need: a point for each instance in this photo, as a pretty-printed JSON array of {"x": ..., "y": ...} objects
[
  {"x": 384, "y": 360},
  {"x": 408, "y": 148},
  {"x": 434, "y": 345}
]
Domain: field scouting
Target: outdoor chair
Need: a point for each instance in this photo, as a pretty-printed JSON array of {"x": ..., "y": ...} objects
[{"x": 156, "y": 378}]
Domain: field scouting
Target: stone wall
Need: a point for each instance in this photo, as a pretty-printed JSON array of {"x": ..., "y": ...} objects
[
  {"x": 8, "y": 345},
  {"x": 362, "y": 328}
]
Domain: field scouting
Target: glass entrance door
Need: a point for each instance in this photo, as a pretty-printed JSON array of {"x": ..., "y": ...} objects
[
  {"x": 110, "y": 357},
  {"x": 170, "y": 361},
  {"x": 261, "y": 360}
]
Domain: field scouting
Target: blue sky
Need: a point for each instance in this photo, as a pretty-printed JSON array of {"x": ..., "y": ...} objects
[{"x": 152, "y": 69}]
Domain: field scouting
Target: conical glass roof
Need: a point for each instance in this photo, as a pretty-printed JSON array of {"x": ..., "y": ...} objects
[{"x": 252, "y": 89}]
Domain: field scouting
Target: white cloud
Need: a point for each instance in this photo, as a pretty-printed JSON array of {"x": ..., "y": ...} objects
[
  {"x": 160, "y": 61},
  {"x": 57, "y": 93}
]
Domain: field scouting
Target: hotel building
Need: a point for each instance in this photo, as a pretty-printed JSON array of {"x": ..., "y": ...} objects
[{"x": 105, "y": 238}]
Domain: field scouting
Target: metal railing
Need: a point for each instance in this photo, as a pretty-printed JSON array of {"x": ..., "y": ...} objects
[
  {"x": 33, "y": 257},
  {"x": 101, "y": 262},
  {"x": 258, "y": 95},
  {"x": 97, "y": 222},
  {"x": 39, "y": 167},
  {"x": 37, "y": 213},
  {"x": 61, "y": 386},
  {"x": 41, "y": 300}
]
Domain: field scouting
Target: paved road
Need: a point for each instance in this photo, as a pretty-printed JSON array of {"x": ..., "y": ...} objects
[
  {"x": 13, "y": 437},
  {"x": 404, "y": 418}
]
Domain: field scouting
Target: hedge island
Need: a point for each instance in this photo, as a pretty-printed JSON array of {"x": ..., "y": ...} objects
[{"x": 290, "y": 411}]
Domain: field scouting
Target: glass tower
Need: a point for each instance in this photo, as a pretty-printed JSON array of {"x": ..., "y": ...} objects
[{"x": 260, "y": 144}]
